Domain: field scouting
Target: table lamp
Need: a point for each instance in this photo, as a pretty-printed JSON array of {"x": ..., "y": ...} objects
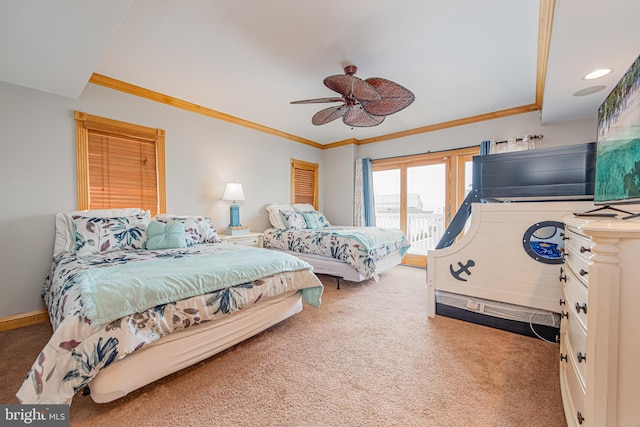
[{"x": 233, "y": 192}]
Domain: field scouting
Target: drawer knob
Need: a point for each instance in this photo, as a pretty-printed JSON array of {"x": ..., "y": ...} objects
[
  {"x": 583, "y": 272},
  {"x": 563, "y": 357},
  {"x": 583, "y": 249},
  {"x": 564, "y": 237},
  {"x": 562, "y": 275},
  {"x": 580, "y": 418},
  {"x": 581, "y": 357},
  {"x": 582, "y": 307},
  {"x": 562, "y": 301},
  {"x": 564, "y": 314}
]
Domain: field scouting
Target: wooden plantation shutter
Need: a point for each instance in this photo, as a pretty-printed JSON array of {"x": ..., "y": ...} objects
[
  {"x": 120, "y": 165},
  {"x": 122, "y": 172},
  {"x": 304, "y": 182}
]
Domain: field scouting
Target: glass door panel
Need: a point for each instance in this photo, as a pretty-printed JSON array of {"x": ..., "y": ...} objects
[
  {"x": 426, "y": 206},
  {"x": 386, "y": 190},
  {"x": 468, "y": 179}
]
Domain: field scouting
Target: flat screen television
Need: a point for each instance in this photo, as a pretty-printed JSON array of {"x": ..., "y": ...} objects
[{"x": 617, "y": 177}]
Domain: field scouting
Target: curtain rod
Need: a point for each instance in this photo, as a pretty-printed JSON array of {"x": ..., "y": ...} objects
[
  {"x": 418, "y": 154},
  {"x": 460, "y": 148},
  {"x": 520, "y": 139}
]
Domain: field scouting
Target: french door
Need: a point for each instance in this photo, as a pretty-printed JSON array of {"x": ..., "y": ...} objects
[{"x": 420, "y": 194}]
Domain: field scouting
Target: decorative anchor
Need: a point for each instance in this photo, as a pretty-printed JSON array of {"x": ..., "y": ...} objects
[{"x": 463, "y": 269}]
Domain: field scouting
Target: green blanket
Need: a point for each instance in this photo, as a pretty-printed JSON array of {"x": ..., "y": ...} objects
[
  {"x": 112, "y": 292},
  {"x": 372, "y": 237}
]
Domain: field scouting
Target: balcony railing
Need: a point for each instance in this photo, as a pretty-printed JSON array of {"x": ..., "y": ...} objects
[{"x": 424, "y": 229}]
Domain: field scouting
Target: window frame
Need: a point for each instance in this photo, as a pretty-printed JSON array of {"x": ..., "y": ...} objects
[
  {"x": 86, "y": 123},
  {"x": 453, "y": 160},
  {"x": 307, "y": 166}
]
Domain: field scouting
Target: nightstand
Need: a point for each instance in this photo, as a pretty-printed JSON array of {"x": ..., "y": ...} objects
[{"x": 249, "y": 239}]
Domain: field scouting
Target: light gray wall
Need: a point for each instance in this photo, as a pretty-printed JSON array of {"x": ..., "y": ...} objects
[
  {"x": 340, "y": 161},
  {"x": 338, "y": 179},
  {"x": 38, "y": 169},
  {"x": 574, "y": 132},
  {"x": 38, "y": 173}
]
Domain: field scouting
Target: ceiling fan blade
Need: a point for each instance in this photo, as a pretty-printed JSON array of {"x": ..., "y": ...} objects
[
  {"x": 328, "y": 115},
  {"x": 393, "y": 97},
  {"x": 357, "y": 117},
  {"x": 351, "y": 85},
  {"x": 317, "y": 100}
]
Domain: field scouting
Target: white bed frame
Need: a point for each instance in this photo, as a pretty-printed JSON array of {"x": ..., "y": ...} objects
[
  {"x": 342, "y": 270},
  {"x": 182, "y": 349}
]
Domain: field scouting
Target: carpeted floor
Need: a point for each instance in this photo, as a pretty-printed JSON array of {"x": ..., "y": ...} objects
[{"x": 368, "y": 357}]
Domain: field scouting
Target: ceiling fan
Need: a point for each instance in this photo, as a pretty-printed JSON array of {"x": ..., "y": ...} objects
[{"x": 364, "y": 102}]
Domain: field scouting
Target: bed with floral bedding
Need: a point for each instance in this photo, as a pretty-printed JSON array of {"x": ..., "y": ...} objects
[
  {"x": 353, "y": 253},
  {"x": 116, "y": 291}
]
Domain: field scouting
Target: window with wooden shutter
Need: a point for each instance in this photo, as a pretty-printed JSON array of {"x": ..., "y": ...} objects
[
  {"x": 120, "y": 165},
  {"x": 304, "y": 182}
]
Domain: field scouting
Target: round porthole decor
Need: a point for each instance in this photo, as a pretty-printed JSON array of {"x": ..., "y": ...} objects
[{"x": 543, "y": 242}]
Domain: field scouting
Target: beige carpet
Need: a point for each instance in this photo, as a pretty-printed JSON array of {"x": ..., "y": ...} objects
[{"x": 368, "y": 357}]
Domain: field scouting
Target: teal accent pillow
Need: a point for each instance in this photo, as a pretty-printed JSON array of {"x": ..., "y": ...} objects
[
  {"x": 315, "y": 219},
  {"x": 312, "y": 219},
  {"x": 165, "y": 236}
]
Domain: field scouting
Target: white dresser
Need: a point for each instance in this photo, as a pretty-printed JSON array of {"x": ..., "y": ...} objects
[{"x": 600, "y": 328}]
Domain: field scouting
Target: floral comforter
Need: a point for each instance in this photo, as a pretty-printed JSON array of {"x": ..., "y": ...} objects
[
  {"x": 360, "y": 247},
  {"x": 80, "y": 348}
]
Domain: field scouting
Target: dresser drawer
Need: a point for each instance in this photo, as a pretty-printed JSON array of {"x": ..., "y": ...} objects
[
  {"x": 579, "y": 245},
  {"x": 576, "y": 347},
  {"x": 578, "y": 255},
  {"x": 576, "y": 297},
  {"x": 579, "y": 266},
  {"x": 574, "y": 395}
]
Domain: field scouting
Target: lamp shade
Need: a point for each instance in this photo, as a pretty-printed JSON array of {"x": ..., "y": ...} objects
[{"x": 233, "y": 192}]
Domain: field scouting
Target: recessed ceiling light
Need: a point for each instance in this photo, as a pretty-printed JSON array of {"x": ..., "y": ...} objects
[
  {"x": 597, "y": 73},
  {"x": 589, "y": 90}
]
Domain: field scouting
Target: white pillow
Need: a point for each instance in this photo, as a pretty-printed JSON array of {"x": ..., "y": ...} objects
[
  {"x": 303, "y": 207},
  {"x": 63, "y": 241},
  {"x": 274, "y": 215}
]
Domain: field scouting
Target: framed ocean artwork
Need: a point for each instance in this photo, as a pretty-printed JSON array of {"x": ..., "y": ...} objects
[{"x": 617, "y": 177}]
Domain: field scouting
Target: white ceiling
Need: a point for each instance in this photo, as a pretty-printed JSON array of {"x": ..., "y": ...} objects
[{"x": 250, "y": 58}]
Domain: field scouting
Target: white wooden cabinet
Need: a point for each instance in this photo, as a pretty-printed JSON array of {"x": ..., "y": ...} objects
[
  {"x": 600, "y": 328},
  {"x": 249, "y": 239}
]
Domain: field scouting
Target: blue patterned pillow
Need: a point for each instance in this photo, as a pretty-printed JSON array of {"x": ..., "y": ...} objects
[
  {"x": 96, "y": 235},
  {"x": 165, "y": 236},
  {"x": 198, "y": 229},
  {"x": 323, "y": 220},
  {"x": 293, "y": 220},
  {"x": 317, "y": 219},
  {"x": 312, "y": 219}
]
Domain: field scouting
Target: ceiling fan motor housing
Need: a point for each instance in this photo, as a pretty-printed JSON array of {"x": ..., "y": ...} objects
[{"x": 350, "y": 70}]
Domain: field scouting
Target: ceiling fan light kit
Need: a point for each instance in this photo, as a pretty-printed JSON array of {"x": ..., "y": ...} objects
[{"x": 365, "y": 103}]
